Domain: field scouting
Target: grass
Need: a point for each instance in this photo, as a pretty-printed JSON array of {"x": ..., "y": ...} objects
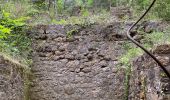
[{"x": 125, "y": 60}]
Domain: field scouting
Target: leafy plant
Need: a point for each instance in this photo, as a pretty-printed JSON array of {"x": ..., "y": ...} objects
[
  {"x": 4, "y": 32},
  {"x": 71, "y": 32},
  {"x": 90, "y": 3},
  {"x": 60, "y": 6},
  {"x": 13, "y": 38}
]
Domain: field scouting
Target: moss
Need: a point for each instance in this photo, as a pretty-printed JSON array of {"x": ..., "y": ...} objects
[{"x": 162, "y": 74}]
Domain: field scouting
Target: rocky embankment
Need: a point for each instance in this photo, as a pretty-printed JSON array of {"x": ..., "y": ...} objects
[
  {"x": 148, "y": 81},
  {"x": 79, "y": 67},
  {"x": 80, "y": 63}
]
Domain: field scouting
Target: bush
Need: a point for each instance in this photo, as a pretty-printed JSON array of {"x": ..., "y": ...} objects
[{"x": 13, "y": 38}]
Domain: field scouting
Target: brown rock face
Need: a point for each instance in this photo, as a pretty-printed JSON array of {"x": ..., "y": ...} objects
[
  {"x": 11, "y": 81},
  {"x": 162, "y": 49},
  {"x": 148, "y": 81},
  {"x": 81, "y": 69},
  {"x": 83, "y": 66}
]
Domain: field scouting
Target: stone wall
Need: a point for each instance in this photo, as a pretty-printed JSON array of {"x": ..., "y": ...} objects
[
  {"x": 148, "y": 81},
  {"x": 11, "y": 81},
  {"x": 79, "y": 62},
  {"x": 79, "y": 67}
]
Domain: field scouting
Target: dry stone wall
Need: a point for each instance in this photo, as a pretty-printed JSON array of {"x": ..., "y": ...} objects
[
  {"x": 78, "y": 67},
  {"x": 79, "y": 62},
  {"x": 11, "y": 81},
  {"x": 148, "y": 81}
]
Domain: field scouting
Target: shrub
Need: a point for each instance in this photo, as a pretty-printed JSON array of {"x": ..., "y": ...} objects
[{"x": 13, "y": 38}]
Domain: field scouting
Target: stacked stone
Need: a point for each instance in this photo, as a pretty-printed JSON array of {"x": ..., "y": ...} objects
[
  {"x": 148, "y": 81},
  {"x": 80, "y": 67},
  {"x": 11, "y": 81}
]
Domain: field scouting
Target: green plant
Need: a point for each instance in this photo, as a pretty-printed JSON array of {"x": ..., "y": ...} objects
[
  {"x": 90, "y": 3},
  {"x": 129, "y": 55},
  {"x": 13, "y": 38},
  {"x": 4, "y": 32},
  {"x": 60, "y": 22},
  {"x": 162, "y": 9},
  {"x": 79, "y": 2},
  {"x": 156, "y": 38},
  {"x": 85, "y": 12},
  {"x": 18, "y": 8},
  {"x": 60, "y": 6},
  {"x": 125, "y": 60},
  {"x": 71, "y": 32},
  {"x": 15, "y": 45},
  {"x": 127, "y": 81}
]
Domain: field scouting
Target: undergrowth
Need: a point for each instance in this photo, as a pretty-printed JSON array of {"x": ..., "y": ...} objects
[
  {"x": 15, "y": 44},
  {"x": 13, "y": 38}
]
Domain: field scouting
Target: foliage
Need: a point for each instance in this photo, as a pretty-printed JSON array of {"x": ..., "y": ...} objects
[
  {"x": 13, "y": 39},
  {"x": 36, "y": 8},
  {"x": 18, "y": 8},
  {"x": 71, "y": 32},
  {"x": 131, "y": 52},
  {"x": 149, "y": 41},
  {"x": 40, "y": 4},
  {"x": 156, "y": 38},
  {"x": 90, "y": 3},
  {"x": 78, "y": 3},
  {"x": 162, "y": 9},
  {"x": 4, "y": 32},
  {"x": 60, "y": 6}
]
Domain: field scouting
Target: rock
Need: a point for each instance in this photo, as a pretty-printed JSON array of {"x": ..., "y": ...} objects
[
  {"x": 83, "y": 68},
  {"x": 58, "y": 57},
  {"x": 62, "y": 48},
  {"x": 41, "y": 54},
  {"x": 90, "y": 57},
  {"x": 150, "y": 26},
  {"x": 69, "y": 57},
  {"x": 147, "y": 72},
  {"x": 69, "y": 90},
  {"x": 41, "y": 37},
  {"x": 72, "y": 65},
  {"x": 58, "y": 39},
  {"x": 3, "y": 96},
  {"x": 58, "y": 53},
  {"x": 162, "y": 49},
  {"x": 86, "y": 69},
  {"x": 2, "y": 61},
  {"x": 164, "y": 60},
  {"x": 103, "y": 64}
]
